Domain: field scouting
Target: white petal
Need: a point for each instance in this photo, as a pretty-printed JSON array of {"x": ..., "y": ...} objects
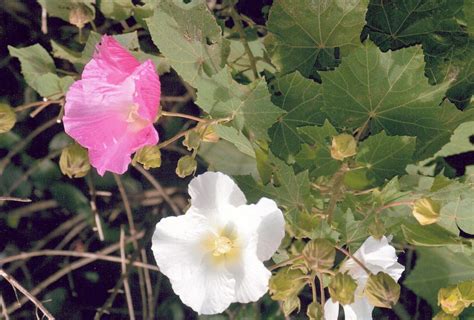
[
  {"x": 331, "y": 310},
  {"x": 177, "y": 245},
  {"x": 213, "y": 190},
  {"x": 271, "y": 229},
  {"x": 359, "y": 310},
  {"x": 208, "y": 291},
  {"x": 251, "y": 277},
  {"x": 377, "y": 256}
]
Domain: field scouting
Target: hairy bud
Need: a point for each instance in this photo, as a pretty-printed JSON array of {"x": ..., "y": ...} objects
[
  {"x": 74, "y": 161},
  {"x": 149, "y": 157},
  {"x": 342, "y": 288},
  {"x": 7, "y": 118},
  {"x": 451, "y": 301},
  {"x": 315, "y": 311},
  {"x": 343, "y": 146},
  {"x": 79, "y": 15},
  {"x": 382, "y": 291},
  {"x": 319, "y": 254},
  {"x": 187, "y": 165},
  {"x": 192, "y": 140}
]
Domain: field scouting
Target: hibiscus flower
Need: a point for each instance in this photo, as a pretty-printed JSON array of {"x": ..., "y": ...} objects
[
  {"x": 111, "y": 110},
  {"x": 213, "y": 254}
]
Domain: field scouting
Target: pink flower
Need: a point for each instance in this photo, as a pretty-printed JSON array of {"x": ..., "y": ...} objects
[{"x": 111, "y": 110}]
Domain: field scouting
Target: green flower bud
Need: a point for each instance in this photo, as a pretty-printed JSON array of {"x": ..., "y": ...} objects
[
  {"x": 342, "y": 288},
  {"x": 208, "y": 134},
  {"x": 450, "y": 300},
  {"x": 343, "y": 146},
  {"x": 315, "y": 311},
  {"x": 192, "y": 140},
  {"x": 79, "y": 15},
  {"x": 382, "y": 291},
  {"x": 187, "y": 165},
  {"x": 319, "y": 254},
  {"x": 7, "y": 118},
  {"x": 291, "y": 305},
  {"x": 426, "y": 211},
  {"x": 286, "y": 283},
  {"x": 148, "y": 156},
  {"x": 444, "y": 316},
  {"x": 74, "y": 161}
]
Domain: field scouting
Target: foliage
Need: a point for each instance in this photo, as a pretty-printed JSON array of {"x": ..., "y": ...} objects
[{"x": 266, "y": 97}]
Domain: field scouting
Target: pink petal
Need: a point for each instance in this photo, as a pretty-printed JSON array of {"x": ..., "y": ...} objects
[
  {"x": 116, "y": 158},
  {"x": 111, "y": 63},
  {"x": 147, "y": 90}
]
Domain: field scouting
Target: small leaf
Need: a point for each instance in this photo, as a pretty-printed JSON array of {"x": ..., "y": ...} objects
[{"x": 426, "y": 211}]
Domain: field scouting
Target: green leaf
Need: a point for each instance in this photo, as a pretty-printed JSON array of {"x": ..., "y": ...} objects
[
  {"x": 62, "y": 9},
  {"x": 387, "y": 91},
  {"x": 437, "y": 268},
  {"x": 116, "y": 9},
  {"x": 39, "y": 70},
  {"x": 249, "y": 106},
  {"x": 316, "y": 155},
  {"x": 299, "y": 97},
  {"x": 458, "y": 214},
  {"x": 71, "y": 198},
  {"x": 397, "y": 24},
  {"x": 459, "y": 142},
  {"x": 431, "y": 235},
  {"x": 217, "y": 156},
  {"x": 236, "y": 138},
  {"x": 188, "y": 35},
  {"x": 305, "y": 33},
  {"x": 385, "y": 156}
]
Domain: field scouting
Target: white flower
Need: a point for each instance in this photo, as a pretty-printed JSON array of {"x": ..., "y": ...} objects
[
  {"x": 213, "y": 254},
  {"x": 377, "y": 256}
]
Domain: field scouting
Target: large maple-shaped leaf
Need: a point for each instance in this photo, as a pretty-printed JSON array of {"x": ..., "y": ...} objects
[
  {"x": 437, "y": 268},
  {"x": 447, "y": 46},
  {"x": 384, "y": 156},
  {"x": 397, "y": 24},
  {"x": 299, "y": 97},
  {"x": 188, "y": 35},
  {"x": 305, "y": 33},
  {"x": 387, "y": 91},
  {"x": 249, "y": 107}
]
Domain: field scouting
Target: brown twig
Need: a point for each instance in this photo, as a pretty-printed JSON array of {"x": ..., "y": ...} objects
[
  {"x": 159, "y": 188},
  {"x": 28, "y": 295},
  {"x": 4, "y": 308},
  {"x": 69, "y": 268},
  {"x": 18, "y": 147},
  {"x": 181, "y": 115},
  {"x": 321, "y": 288},
  {"x": 7, "y": 198},
  {"x": 77, "y": 254},
  {"x": 126, "y": 285}
]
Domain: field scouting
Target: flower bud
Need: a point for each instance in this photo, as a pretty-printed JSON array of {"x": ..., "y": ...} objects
[
  {"x": 208, "y": 134},
  {"x": 7, "y": 118},
  {"x": 315, "y": 311},
  {"x": 444, "y": 316},
  {"x": 466, "y": 289},
  {"x": 74, "y": 161},
  {"x": 286, "y": 283},
  {"x": 382, "y": 291},
  {"x": 187, "y": 165},
  {"x": 192, "y": 140},
  {"x": 79, "y": 15},
  {"x": 450, "y": 300},
  {"x": 342, "y": 288},
  {"x": 319, "y": 254},
  {"x": 426, "y": 211},
  {"x": 343, "y": 146},
  {"x": 377, "y": 229},
  {"x": 148, "y": 156}
]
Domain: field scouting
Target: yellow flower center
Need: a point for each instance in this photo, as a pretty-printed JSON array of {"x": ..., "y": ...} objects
[
  {"x": 222, "y": 245},
  {"x": 134, "y": 118}
]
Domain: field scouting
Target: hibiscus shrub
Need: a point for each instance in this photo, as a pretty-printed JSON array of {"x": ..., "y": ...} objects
[{"x": 183, "y": 159}]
